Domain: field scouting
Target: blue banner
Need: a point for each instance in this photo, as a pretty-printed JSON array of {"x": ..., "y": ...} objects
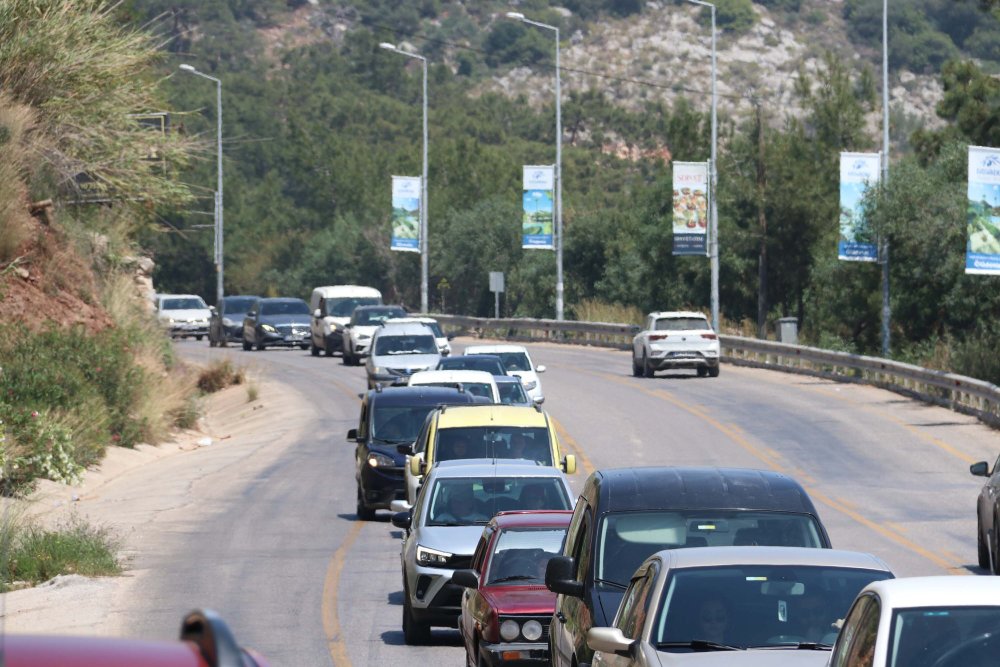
[
  {"x": 405, "y": 213},
  {"x": 858, "y": 172},
  {"x": 536, "y": 225},
  {"x": 982, "y": 253}
]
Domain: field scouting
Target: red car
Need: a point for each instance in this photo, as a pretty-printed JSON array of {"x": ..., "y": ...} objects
[
  {"x": 205, "y": 642},
  {"x": 506, "y": 609}
]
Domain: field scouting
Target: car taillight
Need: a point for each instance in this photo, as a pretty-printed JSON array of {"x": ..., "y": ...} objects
[
  {"x": 710, "y": 336},
  {"x": 657, "y": 337}
]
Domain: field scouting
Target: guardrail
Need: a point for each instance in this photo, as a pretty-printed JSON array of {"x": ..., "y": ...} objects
[{"x": 957, "y": 392}]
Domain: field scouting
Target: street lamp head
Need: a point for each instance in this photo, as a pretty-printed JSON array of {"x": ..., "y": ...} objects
[
  {"x": 187, "y": 68},
  {"x": 515, "y": 15},
  {"x": 387, "y": 46}
]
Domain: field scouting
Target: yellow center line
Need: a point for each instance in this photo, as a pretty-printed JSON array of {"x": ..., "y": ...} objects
[
  {"x": 331, "y": 620},
  {"x": 771, "y": 462},
  {"x": 571, "y": 443}
]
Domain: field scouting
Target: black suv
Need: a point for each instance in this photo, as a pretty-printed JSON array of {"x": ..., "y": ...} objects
[
  {"x": 625, "y": 515},
  {"x": 391, "y": 419}
]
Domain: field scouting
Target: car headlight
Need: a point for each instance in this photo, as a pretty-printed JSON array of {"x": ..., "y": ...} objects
[
  {"x": 509, "y": 630},
  {"x": 432, "y": 557},
  {"x": 529, "y": 385},
  {"x": 170, "y": 320},
  {"x": 379, "y": 370},
  {"x": 377, "y": 460},
  {"x": 226, "y": 322},
  {"x": 532, "y": 631},
  {"x": 268, "y": 327}
]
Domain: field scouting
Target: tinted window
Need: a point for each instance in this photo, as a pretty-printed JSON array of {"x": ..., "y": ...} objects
[
  {"x": 464, "y": 501},
  {"x": 190, "y": 303},
  {"x": 375, "y": 316},
  {"x": 395, "y": 423},
  {"x": 682, "y": 324},
  {"x": 297, "y": 307},
  {"x": 405, "y": 345},
  {"x": 514, "y": 361},
  {"x": 628, "y": 538},
  {"x": 512, "y": 393},
  {"x": 759, "y": 605},
  {"x": 497, "y": 442},
  {"x": 344, "y": 306},
  {"x": 239, "y": 304},
  {"x": 520, "y": 555},
  {"x": 945, "y": 636},
  {"x": 473, "y": 362}
]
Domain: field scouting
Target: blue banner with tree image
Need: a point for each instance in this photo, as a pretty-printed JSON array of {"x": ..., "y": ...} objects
[
  {"x": 536, "y": 225},
  {"x": 982, "y": 253},
  {"x": 858, "y": 172},
  {"x": 405, "y": 213}
]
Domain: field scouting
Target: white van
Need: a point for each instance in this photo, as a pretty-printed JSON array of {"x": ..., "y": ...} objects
[{"x": 331, "y": 310}]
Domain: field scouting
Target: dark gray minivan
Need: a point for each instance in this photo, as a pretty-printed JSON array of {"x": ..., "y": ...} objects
[{"x": 625, "y": 515}]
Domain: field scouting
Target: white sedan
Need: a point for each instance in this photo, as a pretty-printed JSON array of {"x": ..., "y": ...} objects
[
  {"x": 922, "y": 622},
  {"x": 516, "y": 361},
  {"x": 478, "y": 383}
]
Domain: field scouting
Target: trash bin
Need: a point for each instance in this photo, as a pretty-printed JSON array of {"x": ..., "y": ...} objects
[{"x": 788, "y": 330}]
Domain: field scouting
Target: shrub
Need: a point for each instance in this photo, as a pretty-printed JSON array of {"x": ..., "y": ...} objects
[
  {"x": 220, "y": 375},
  {"x": 40, "y": 445}
]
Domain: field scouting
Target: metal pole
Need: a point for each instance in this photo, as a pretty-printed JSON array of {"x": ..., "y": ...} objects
[
  {"x": 219, "y": 291},
  {"x": 714, "y": 236},
  {"x": 886, "y": 310},
  {"x": 424, "y": 306},
  {"x": 559, "y": 227}
]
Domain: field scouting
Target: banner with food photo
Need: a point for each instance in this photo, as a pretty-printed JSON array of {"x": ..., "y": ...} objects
[
  {"x": 405, "y": 213},
  {"x": 982, "y": 254},
  {"x": 536, "y": 224},
  {"x": 858, "y": 172},
  {"x": 690, "y": 208}
]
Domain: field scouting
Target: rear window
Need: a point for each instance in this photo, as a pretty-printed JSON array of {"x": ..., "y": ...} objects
[
  {"x": 625, "y": 539},
  {"x": 682, "y": 324}
]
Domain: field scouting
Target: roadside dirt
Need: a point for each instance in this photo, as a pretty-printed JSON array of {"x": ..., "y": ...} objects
[{"x": 130, "y": 491}]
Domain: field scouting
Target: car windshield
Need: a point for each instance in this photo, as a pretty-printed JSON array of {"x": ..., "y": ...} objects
[
  {"x": 189, "y": 303},
  {"x": 628, "y": 538},
  {"x": 484, "y": 389},
  {"x": 464, "y": 501},
  {"x": 344, "y": 306},
  {"x": 366, "y": 317},
  {"x": 756, "y": 606},
  {"x": 238, "y": 304},
  {"x": 494, "y": 442},
  {"x": 297, "y": 307},
  {"x": 514, "y": 361},
  {"x": 682, "y": 324},
  {"x": 520, "y": 555},
  {"x": 436, "y": 328},
  {"x": 512, "y": 393},
  {"x": 395, "y": 423},
  {"x": 473, "y": 362},
  {"x": 388, "y": 345},
  {"x": 944, "y": 636}
]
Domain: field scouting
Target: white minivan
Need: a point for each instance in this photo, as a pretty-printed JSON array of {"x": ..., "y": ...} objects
[{"x": 331, "y": 308}]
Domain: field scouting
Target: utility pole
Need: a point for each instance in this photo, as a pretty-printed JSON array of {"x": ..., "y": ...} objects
[{"x": 762, "y": 305}]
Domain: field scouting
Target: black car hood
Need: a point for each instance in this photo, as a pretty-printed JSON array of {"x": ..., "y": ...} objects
[
  {"x": 274, "y": 320},
  {"x": 389, "y": 450},
  {"x": 606, "y": 605}
]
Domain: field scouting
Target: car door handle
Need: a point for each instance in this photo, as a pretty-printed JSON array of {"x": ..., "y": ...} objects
[{"x": 560, "y": 617}]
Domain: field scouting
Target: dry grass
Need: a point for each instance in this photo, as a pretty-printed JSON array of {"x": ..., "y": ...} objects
[
  {"x": 253, "y": 392},
  {"x": 15, "y": 123},
  {"x": 592, "y": 310},
  {"x": 219, "y": 375}
]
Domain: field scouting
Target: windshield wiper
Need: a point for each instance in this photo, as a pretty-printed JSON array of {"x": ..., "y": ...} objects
[
  {"x": 610, "y": 583},
  {"x": 514, "y": 577},
  {"x": 699, "y": 645},
  {"x": 805, "y": 646},
  {"x": 394, "y": 441}
]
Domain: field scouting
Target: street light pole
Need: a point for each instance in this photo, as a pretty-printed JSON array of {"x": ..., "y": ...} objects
[
  {"x": 558, "y": 203},
  {"x": 219, "y": 265},
  {"x": 713, "y": 232},
  {"x": 424, "y": 264},
  {"x": 886, "y": 310}
]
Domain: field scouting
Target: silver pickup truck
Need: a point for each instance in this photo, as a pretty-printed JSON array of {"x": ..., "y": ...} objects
[{"x": 671, "y": 340}]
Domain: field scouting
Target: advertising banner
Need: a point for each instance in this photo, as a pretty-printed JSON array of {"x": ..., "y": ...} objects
[
  {"x": 690, "y": 208},
  {"x": 536, "y": 225},
  {"x": 405, "y": 213},
  {"x": 982, "y": 253},
  {"x": 858, "y": 171}
]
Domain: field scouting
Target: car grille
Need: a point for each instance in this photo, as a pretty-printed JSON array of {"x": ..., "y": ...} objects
[
  {"x": 288, "y": 330},
  {"x": 402, "y": 372}
]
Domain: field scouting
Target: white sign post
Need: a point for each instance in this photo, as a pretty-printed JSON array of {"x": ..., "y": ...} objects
[{"x": 496, "y": 286}]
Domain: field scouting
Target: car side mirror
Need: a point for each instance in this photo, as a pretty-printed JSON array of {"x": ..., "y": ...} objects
[
  {"x": 352, "y": 434},
  {"x": 465, "y": 578},
  {"x": 981, "y": 469},
  {"x": 400, "y": 506},
  {"x": 401, "y": 520},
  {"x": 317, "y": 313},
  {"x": 252, "y": 314},
  {"x": 610, "y": 640},
  {"x": 539, "y": 369},
  {"x": 538, "y": 400},
  {"x": 569, "y": 464},
  {"x": 559, "y": 577},
  {"x": 416, "y": 465}
]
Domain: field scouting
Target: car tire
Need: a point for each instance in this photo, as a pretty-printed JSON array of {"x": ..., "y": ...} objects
[
  {"x": 647, "y": 370},
  {"x": 246, "y": 346},
  {"x": 348, "y": 359},
  {"x": 983, "y": 548},
  {"x": 702, "y": 371},
  {"x": 328, "y": 351},
  {"x": 713, "y": 371},
  {"x": 414, "y": 632},
  {"x": 314, "y": 350},
  {"x": 994, "y": 547},
  {"x": 636, "y": 368},
  {"x": 198, "y": 337},
  {"x": 261, "y": 347},
  {"x": 364, "y": 512},
  {"x": 303, "y": 347}
]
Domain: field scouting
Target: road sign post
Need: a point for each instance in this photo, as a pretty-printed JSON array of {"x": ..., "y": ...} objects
[{"x": 496, "y": 286}]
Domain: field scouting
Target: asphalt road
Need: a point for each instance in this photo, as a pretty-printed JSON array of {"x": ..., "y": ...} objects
[{"x": 285, "y": 561}]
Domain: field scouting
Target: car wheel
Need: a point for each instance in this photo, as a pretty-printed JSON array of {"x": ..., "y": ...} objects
[
  {"x": 198, "y": 337},
  {"x": 303, "y": 347},
  {"x": 314, "y": 350},
  {"x": 713, "y": 371},
  {"x": 994, "y": 546},
  {"x": 702, "y": 371},
  {"x": 647, "y": 369},
  {"x": 261, "y": 347},
  {"x": 984, "y": 550},
  {"x": 636, "y": 368},
  {"x": 364, "y": 512},
  {"x": 328, "y": 351},
  {"x": 348, "y": 360},
  {"x": 246, "y": 346},
  {"x": 414, "y": 633}
]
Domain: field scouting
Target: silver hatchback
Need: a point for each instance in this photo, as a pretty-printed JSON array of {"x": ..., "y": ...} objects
[{"x": 442, "y": 529}]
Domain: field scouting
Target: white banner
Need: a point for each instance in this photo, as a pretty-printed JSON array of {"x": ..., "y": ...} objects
[
  {"x": 858, "y": 172},
  {"x": 405, "y": 213}
]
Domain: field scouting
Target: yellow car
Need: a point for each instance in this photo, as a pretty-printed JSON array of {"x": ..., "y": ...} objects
[{"x": 485, "y": 432}]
